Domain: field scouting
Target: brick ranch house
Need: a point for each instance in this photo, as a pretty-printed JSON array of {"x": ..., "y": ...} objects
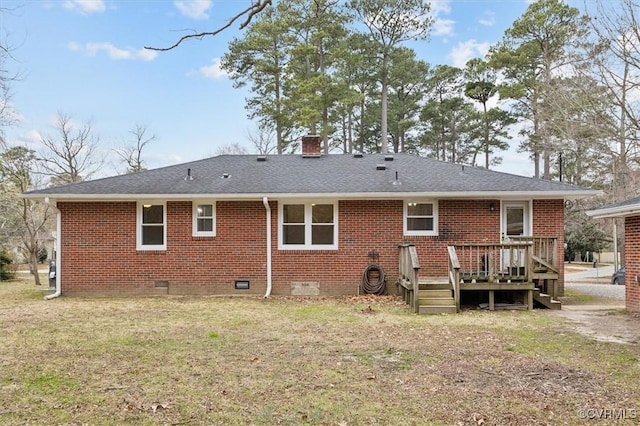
[
  {"x": 630, "y": 211},
  {"x": 307, "y": 224}
]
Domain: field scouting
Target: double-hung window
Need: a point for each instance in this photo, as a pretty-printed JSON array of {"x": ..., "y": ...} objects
[
  {"x": 420, "y": 217},
  {"x": 152, "y": 226},
  {"x": 308, "y": 225},
  {"x": 204, "y": 219}
]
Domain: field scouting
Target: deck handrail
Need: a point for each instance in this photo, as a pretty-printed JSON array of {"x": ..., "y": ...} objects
[
  {"x": 409, "y": 267},
  {"x": 454, "y": 275},
  {"x": 496, "y": 262}
]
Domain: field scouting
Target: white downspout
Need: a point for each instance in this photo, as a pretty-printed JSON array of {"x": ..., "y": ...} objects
[
  {"x": 265, "y": 201},
  {"x": 58, "y": 250}
]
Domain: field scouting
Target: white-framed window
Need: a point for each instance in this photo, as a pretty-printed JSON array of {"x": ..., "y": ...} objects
[
  {"x": 308, "y": 225},
  {"x": 204, "y": 219},
  {"x": 151, "y": 228},
  {"x": 420, "y": 217}
]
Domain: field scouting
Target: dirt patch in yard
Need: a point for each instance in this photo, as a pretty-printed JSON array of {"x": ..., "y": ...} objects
[{"x": 604, "y": 323}]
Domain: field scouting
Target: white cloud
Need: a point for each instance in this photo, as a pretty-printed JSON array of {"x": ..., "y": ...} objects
[
  {"x": 464, "y": 51},
  {"x": 488, "y": 18},
  {"x": 30, "y": 138},
  {"x": 85, "y": 6},
  {"x": 194, "y": 9},
  {"x": 443, "y": 27},
  {"x": 213, "y": 71},
  {"x": 114, "y": 52},
  {"x": 440, "y": 6}
]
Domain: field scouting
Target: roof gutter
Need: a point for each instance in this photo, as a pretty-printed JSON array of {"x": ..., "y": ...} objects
[
  {"x": 265, "y": 201},
  {"x": 476, "y": 195},
  {"x": 58, "y": 251}
]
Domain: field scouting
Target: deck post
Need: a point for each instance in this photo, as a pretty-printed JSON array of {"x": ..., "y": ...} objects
[{"x": 491, "y": 300}]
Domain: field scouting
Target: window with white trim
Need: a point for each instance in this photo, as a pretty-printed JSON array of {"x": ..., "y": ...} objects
[
  {"x": 308, "y": 225},
  {"x": 204, "y": 219},
  {"x": 152, "y": 226},
  {"x": 420, "y": 217}
]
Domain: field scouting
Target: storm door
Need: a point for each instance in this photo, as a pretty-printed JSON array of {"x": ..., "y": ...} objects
[{"x": 516, "y": 223}]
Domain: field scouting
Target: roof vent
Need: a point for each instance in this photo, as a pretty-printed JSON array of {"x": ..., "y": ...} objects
[
  {"x": 226, "y": 176},
  {"x": 381, "y": 167},
  {"x": 357, "y": 155},
  {"x": 388, "y": 158},
  {"x": 189, "y": 176},
  {"x": 261, "y": 158}
]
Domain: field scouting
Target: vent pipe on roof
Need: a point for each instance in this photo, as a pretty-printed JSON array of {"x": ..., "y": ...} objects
[
  {"x": 188, "y": 176},
  {"x": 397, "y": 181}
]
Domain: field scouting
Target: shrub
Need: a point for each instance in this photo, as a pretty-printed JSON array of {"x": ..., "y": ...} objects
[
  {"x": 42, "y": 255},
  {"x": 6, "y": 273}
]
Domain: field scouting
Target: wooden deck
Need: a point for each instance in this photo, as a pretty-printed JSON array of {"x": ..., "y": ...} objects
[{"x": 527, "y": 266}]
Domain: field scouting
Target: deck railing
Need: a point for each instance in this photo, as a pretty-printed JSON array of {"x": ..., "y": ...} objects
[
  {"x": 454, "y": 275},
  {"x": 493, "y": 263},
  {"x": 544, "y": 251},
  {"x": 409, "y": 267},
  {"x": 513, "y": 261}
]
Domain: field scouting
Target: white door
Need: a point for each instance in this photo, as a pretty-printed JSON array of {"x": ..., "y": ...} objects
[{"x": 515, "y": 223}]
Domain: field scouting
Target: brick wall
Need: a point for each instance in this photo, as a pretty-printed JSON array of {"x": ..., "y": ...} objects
[
  {"x": 99, "y": 253},
  {"x": 632, "y": 262},
  {"x": 548, "y": 221}
]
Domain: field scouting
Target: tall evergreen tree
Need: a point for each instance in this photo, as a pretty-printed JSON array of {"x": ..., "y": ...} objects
[
  {"x": 390, "y": 23},
  {"x": 532, "y": 53}
]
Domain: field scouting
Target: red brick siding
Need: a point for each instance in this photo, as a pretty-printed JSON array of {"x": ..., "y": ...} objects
[
  {"x": 632, "y": 262},
  {"x": 548, "y": 221},
  {"x": 99, "y": 253}
]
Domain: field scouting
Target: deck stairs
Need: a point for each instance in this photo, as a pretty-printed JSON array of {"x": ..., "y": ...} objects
[
  {"x": 546, "y": 300},
  {"x": 435, "y": 297}
]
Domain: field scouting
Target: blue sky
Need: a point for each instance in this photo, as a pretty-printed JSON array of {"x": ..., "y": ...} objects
[{"x": 86, "y": 58}]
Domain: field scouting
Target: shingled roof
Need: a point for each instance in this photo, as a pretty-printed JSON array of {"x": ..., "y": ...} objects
[
  {"x": 624, "y": 208},
  {"x": 336, "y": 175}
]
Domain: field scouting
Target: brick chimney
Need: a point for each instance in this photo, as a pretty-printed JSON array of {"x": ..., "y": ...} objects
[{"x": 311, "y": 146}]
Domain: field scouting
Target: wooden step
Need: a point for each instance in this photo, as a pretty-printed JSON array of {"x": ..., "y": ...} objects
[
  {"x": 434, "y": 293},
  {"x": 546, "y": 300},
  {"x": 433, "y": 280},
  {"x": 436, "y": 309},
  {"x": 437, "y": 301},
  {"x": 434, "y": 286}
]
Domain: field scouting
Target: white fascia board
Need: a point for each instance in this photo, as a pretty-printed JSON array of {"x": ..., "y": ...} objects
[
  {"x": 505, "y": 195},
  {"x": 620, "y": 211}
]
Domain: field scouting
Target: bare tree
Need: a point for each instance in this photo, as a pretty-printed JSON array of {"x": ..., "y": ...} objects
[
  {"x": 255, "y": 8},
  {"x": 7, "y": 114},
  {"x": 132, "y": 154},
  {"x": 616, "y": 59},
  {"x": 26, "y": 221},
  {"x": 70, "y": 156},
  {"x": 263, "y": 140},
  {"x": 232, "y": 149}
]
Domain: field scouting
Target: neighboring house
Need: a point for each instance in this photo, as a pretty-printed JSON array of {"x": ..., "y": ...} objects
[
  {"x": 630, "y": 211},
  {"x": 306, "y": 224}
]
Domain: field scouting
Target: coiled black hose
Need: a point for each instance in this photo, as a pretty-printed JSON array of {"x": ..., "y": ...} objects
[{"x": 374, "y": 280}]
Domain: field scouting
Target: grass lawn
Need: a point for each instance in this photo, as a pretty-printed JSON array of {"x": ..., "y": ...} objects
[{"x": 347, "y": 361}]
